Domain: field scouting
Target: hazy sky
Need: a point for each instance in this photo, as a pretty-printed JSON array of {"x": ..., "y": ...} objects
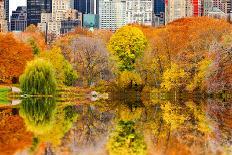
[{"x": 15, "y": 3}]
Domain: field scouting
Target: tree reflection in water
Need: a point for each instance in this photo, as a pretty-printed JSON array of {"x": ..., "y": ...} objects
[
  {"x": 130, "y": 124},
  {"x": 38, "y": 114}
]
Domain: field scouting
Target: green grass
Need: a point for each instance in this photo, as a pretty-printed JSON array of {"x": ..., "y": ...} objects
[{"x": 4, "y": 95}]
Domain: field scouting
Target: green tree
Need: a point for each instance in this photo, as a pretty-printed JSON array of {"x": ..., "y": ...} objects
[
  {"x": 126, "y": 45},
  {"x": 38, "y": 78},
  {"x": 63, "y": 69},
  {"x": 35, "y": 48},
  {"x": 70, "y": 75}
]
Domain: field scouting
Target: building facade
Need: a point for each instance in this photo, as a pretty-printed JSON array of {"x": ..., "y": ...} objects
[
  {"x": 139, "y": 11},
  {"x": 62, "y": 19},
  {"x": 18, "y": 19},
  {"x": 35, "y": 8},
  {"x": 3, "y": 21},
  {"x": 7, "y": 9},
  {"x": 112, "y": 14},
  {"x": 176, "y": 9}
]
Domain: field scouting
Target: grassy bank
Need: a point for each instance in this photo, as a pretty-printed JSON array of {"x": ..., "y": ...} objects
[{"x": 4, "y": 95}]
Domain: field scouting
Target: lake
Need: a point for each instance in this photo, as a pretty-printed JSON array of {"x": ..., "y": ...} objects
[{"x": 123, "y": 124}]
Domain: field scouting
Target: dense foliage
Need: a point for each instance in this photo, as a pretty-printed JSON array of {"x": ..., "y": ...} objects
[
  {"x": 14, "y": 55},
  {"x": 38, "y": 78},
  {"x": 127, "y": 44},
  {"x": 190, "y": 54},
  {"x": 64, "y": 71}
]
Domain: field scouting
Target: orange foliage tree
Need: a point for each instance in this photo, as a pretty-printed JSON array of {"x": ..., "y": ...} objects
[
  {"x": 186, "y": 42},
  {"x": 14, "y": 55},
  {"x": 14, "y": 136},
  {"x": 32, "y": 33}
]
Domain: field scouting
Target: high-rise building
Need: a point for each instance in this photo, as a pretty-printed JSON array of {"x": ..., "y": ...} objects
[
  {"x": 197, "y": 7},
  {"x": 18, "y": 20},
  {"x": 6, "y": 7},
  {"x": 62, "y": 19},
  {"x": 35, "y": 8},
  {"x": 227, "y": 4},
  {"x": 87, "y": 6},
  {"x": 220, "y": 4},
  {"x": 3, "y": 21},
  {"x": 112, "y": 14},
  {"x": 139, "y": 11},
  {"x": 175, "y": 9}
]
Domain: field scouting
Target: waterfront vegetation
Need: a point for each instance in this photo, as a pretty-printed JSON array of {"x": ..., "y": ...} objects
[{"x": 139, "y": 90}]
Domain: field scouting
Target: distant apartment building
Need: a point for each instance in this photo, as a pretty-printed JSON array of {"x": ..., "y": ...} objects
[
  {"x": 175, "y": 9},
  {"x": 112, "y": 14},
  {"x": 197, "y": 7},
  {"x": 227, "y": 5},
  {"x": 217, "y": 13},
  {"x": 18, "y": 19},
  {"x": 139, "y": 11},
  {"x": 3, "y": 21},
  {"x": 220, "y": 4},
  {"x": 35, "y": 8},
  {"x": 62, "y": 19}
]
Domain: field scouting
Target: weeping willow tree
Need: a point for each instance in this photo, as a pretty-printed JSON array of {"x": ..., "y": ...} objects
[
  {"x": 125, "y": 140},
  {"x": 38, "y": 114},
  {"x": 38, "y": 78}
]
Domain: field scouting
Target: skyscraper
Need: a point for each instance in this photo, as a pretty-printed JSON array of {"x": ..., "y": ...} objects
[
  {"x": 18, "y": 20},
  {"x": 175, "y": 9},
  {"x": 62, "y": 19},
  {"x": 3, "y": 21},
  {"x": 112, "y": 14},
  {"x": 87, "y": 6},
  {"x": 6, "y": 7},
  {"x": 139, "y": 11},
  {"x": 35, "y": 8}
]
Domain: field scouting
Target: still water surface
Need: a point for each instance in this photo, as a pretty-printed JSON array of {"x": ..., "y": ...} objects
[{"x": 123, "y": 125}]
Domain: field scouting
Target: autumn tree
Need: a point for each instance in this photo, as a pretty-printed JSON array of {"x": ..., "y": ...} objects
[
  {"x": 33, "y": 37},
  {"x": 38, "y": 78},
  {"x": 64, "y": 71},
  {"x": 14, "y": 55},
  {"x": 220, "y": 77},
  {"x": 126, "y": 45},
  {"x": 90, "y": 59},
  {"x": 185, "y": 42}
]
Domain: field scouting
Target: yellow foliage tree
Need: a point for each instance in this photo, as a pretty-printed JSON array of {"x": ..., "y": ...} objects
[
  {"x": 128, "y": 79},
  {"x": 173, "y": 77}
]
